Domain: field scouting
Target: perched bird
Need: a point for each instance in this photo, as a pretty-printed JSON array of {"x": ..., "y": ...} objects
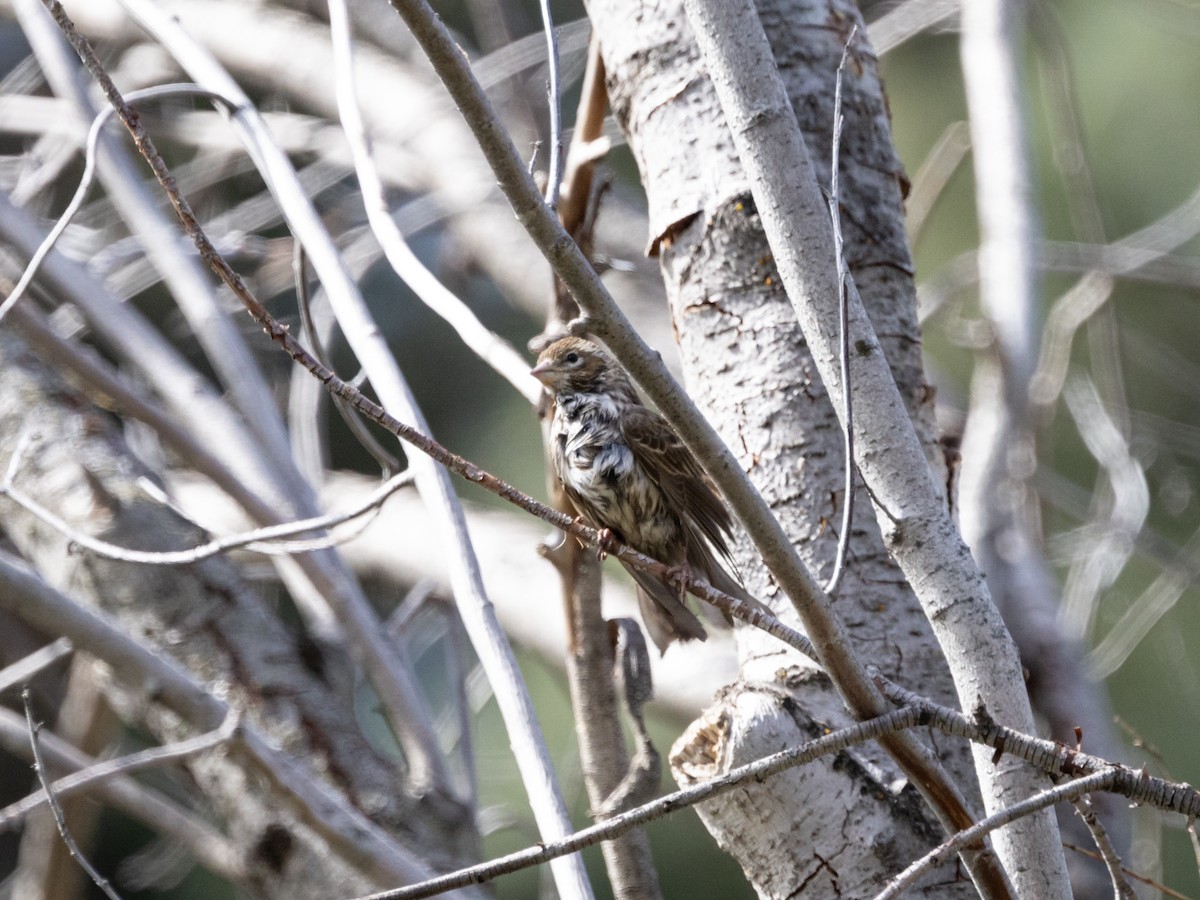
[{"x": 626, "y": 470}]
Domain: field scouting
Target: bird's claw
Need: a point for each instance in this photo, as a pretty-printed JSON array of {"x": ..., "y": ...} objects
[
  {"x": 681, "y": 577},
  {"x": 605, "y": 543}
]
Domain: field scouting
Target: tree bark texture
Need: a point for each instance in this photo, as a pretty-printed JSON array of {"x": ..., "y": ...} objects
[{"x": 747, "y": 364}]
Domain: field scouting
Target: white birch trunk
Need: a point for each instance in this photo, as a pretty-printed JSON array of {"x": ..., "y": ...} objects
[{"x": 844, "y": 826}]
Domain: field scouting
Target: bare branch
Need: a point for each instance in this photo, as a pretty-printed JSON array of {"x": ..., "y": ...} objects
[
  {"x": 611, "y": 828},
  {"x": 1106, "y": 556},
  {"x": 86, "y": 779},
  {"x": 946, "y": 851},
  {"x": 843, "y": 274},
  {"x": 554, "y": 99},
  {"x": 24, "y": 669},
  {"x": 39, "y": 766},
  {"x": 267, "y": 540},
  {"x": 492, "y": 349},
  {"x": 211, "y": 849}
]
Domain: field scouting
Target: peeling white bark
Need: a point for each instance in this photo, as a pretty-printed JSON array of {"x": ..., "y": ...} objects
[{"x": 748, "y": 366}]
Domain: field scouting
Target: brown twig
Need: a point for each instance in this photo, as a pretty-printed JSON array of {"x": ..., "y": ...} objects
[
  {"x": 1107, "y": 851},
  {"x": 1129, "y": 873},
  {"x": 1048, "y": 756},
  {"x": 40, "y": 767}
]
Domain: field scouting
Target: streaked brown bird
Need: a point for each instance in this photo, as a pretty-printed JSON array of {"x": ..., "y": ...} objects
[{"x": 625, "y": 469}]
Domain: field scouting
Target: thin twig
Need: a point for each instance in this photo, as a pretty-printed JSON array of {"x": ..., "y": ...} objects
[
  {"x": 906, "y": 20},
  {"x": 83, "y": 780},
  {"x": 843, "y": 274},
  {"x": 946, "y": 851},
  {"x": 260, "y": 540},
  {"x": 1108, "y": 853},
  {"x": 387, "y": 462},
  {"x": 489, "y": 347},
  {"x": 554, "y": 100},
  {"x": 85, "y": 181},
  {"x": 1129, "y": 873},
  {"x": 756, "y": 771},
  {"x": 59, "y": 819}
]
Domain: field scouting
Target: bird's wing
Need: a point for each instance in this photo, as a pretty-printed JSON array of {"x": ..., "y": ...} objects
[{"x": 667, "y": 460}]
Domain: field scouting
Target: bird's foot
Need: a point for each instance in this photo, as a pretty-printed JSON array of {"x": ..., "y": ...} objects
[
  {"x": 605, "y": 544},
  {"x": 681, "y": 577}
]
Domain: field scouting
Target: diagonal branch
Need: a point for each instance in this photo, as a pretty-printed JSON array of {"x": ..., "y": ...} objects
[
  {"x": 1072, "y": 790},
  {"x": 759, "y": 770},
  {"x": 39, "y": 766}
]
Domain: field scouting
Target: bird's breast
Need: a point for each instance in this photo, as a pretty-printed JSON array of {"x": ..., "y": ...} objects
[
  {"x": 591, "y": 457},
  {"x": 599, "y": 470}
]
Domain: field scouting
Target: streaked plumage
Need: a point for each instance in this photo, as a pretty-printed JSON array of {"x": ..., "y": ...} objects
[{"x": 626, "y": 470}]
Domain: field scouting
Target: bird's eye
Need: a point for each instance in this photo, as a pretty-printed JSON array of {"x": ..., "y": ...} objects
[{"x": 571, "y": 358}]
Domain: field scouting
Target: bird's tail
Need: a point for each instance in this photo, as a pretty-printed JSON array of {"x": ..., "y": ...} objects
[{"x": 663, "y": 612}]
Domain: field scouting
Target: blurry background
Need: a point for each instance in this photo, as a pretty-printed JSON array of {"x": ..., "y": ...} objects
[{"x": 1111, "y": 104}]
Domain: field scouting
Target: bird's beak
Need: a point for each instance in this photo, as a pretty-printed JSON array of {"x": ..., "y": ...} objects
[{"x": 545, "y": 373}]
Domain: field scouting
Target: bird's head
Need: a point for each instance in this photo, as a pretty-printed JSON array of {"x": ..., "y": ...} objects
[{"x": 573, "y": 365}]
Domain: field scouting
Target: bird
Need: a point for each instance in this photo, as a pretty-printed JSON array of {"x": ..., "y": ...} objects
[{"x": 627, "y": 472}]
